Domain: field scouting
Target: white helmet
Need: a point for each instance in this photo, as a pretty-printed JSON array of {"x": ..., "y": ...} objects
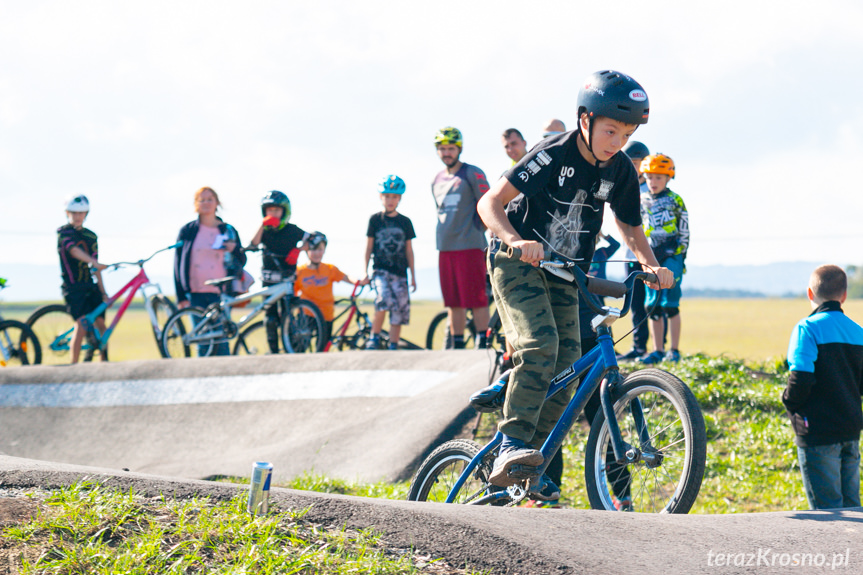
[{"x": 78, "y": 204}]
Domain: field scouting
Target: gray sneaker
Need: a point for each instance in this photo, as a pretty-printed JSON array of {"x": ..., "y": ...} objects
[{"x": 513, "y": 452}]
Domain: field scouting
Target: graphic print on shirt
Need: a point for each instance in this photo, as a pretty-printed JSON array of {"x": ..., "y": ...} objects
[
  {"x": 563, "y": 233},
  {"x": 389, "y": 245}
]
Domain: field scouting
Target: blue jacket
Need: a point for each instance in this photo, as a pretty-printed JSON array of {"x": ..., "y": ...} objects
[{"x": 825, "y": 385}]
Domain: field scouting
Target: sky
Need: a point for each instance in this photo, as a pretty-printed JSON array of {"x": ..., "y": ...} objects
[{"x": 137, "y": 105}]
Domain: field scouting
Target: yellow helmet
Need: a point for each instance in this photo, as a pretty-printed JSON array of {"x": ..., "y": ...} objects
[
  {"x": 448, "y": 136},
  {"x": 658, "y": 164}
]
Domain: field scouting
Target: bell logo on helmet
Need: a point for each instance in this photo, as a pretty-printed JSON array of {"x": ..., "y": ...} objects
[{"x": 638, "y": 96}]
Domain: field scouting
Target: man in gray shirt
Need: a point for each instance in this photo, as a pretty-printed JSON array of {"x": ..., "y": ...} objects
[{"x": 461, "y": 239}]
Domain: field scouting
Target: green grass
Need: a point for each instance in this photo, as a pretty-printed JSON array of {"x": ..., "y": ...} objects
[{"x": 86, "y": 528}]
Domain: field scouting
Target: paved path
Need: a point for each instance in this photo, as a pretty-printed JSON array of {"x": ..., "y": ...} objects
[{"x": 366, "y": 416}]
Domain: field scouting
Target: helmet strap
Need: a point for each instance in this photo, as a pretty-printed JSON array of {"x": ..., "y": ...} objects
[{"x": 588, "y": 141}]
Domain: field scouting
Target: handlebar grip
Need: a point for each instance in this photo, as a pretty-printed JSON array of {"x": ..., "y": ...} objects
[
  {"x": 513, "y": 252},
  {"x": 650, "y": 278},
  {"x": 608, "y": 288}
]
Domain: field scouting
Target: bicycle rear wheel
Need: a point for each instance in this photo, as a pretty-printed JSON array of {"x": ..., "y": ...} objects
[
  {"x": 303, "y": 328},
  {"x": 163, "y": 309},
  {"x": 667, "y": 476},
  {"x": 18, "y": 344},
  {"x": 187, "y": 334},
  {"x": 437, "y": 475},
  {"x": 438, "y": 332},
  {"x": 252, "y": 340},
  {"x": 53, "y": 327}
]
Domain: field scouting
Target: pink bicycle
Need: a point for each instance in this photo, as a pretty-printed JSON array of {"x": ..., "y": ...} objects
[{"x": 53, "y": 324}]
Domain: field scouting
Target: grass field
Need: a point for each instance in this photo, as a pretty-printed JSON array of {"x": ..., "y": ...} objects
[{"x": 750, "y": 329}]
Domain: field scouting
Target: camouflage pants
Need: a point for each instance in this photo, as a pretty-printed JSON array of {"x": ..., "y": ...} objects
[{"x": 540, "y": 319}]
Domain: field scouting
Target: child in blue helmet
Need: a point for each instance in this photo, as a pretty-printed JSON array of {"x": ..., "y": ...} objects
[
  {"x": 389, "y": 241},
  {"x": 283, "y": 241}
]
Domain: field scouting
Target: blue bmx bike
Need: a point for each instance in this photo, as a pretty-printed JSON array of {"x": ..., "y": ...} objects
[{"x": 647, "y": 442}]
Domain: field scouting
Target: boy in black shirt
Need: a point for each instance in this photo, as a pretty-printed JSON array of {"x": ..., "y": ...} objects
[
  {"x": 566, "y": 180},
  {"x": 284, "y": 242},
  {"x": 389, "y": 240},
  {"x": 79, "y": 251}
]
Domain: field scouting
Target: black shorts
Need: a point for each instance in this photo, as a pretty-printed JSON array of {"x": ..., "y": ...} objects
[{"x": 82, "y": 299}]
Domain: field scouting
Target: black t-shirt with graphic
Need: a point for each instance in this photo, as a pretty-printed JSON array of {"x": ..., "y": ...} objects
[
  {"x": 74, "y": 271},
  {"x": 564, "y": 196},
  {"x": 283, "y": 245},
  {"x": 391, "y": 235}
]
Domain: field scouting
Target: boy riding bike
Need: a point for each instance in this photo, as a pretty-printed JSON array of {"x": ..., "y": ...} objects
[{"x": 566, "y": 180}]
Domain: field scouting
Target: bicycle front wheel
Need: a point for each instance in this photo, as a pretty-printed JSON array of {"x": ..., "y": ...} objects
[
  {"x": 188, "y": 334},
  {"x": 438, "y": 474},
  {"x": 252, "y": 340},
  {"x": 672, "y": 446},
  {"x": 303, "y": 328},
  {"x": 18, "y": 344},
  {"x": 163, "y": 308},
  {"x": 53, "y": 327}
]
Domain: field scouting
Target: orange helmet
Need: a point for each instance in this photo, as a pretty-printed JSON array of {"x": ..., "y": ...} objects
[{"x": 658, "y": 164}]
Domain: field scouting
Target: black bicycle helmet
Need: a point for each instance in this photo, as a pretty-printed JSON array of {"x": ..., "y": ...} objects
[
  {"x": 612, "y": 95},
  {"x": 317, "y": 238},
  {"x": 277, "y": 198},
  {"x": 636, "y": 150}
]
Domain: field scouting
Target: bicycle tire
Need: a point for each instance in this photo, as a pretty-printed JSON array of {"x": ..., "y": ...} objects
[
  {"x": 303, "y": 328},
  {"x": 163, "y": 309},
  {"x": 252, "y": 340},
  {"x": 53, "y": 327},
  {"x": 437, "y": 475},
  {"x": 18, "y": 344},
  {"x": 438, "y": 331},
  {"x": 177, "y": 329},
  {"x": 677, "y": 434}
]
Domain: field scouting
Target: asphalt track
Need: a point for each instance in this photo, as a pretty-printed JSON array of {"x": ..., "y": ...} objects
[{"x": 170, "y": 422}]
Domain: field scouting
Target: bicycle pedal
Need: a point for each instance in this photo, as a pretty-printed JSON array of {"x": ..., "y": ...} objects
[{"x": 523, "y": 471}]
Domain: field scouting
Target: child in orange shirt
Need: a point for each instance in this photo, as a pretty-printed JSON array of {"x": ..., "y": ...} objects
[{"x": 315, "y": 280}]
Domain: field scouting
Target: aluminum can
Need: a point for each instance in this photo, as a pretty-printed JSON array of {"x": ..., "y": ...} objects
[{"x": 259, "y": 488}]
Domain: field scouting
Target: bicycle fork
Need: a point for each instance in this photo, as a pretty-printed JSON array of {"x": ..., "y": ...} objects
[{"x": 625, "y": 453}]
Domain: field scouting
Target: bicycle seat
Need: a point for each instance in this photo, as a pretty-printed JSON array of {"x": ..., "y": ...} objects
[
  {"x": 490, "y": 399},
  {"x": 220, "y": 281}
]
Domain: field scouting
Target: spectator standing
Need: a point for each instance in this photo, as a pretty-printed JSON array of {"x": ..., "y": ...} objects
[
  {"x": 666, "y": 225},
  {"x": 461, "y": 239},
  {"x": 389, "y": 243},
  {"x": 315, "y": 280},
  {"x": 553, "y": 127},
  {"x": 640, "y": 330},
  {"x": 514, "y": 144},
  {"x": 284, "y": 242},
  {"x": 211, "y": 250},
  {"x": 78, "y": 249},
  {"x": 823, "y": 394}
]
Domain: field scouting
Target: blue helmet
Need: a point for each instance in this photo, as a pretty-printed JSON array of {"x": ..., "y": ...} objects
[{"x": 392, "y": 185}]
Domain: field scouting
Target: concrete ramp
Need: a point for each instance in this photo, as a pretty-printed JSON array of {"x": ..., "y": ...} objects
[{"x": 365, "y": 416}]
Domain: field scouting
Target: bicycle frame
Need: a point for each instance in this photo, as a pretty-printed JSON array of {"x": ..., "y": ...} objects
[
  {"x": 271, "y": 294},
  {"x": 351, "y": 310},
  {"x": 601, "y": 369}
]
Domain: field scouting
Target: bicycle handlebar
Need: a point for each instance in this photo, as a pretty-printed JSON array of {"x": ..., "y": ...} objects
[
  {"x": 140, "y": 263},
  {"x": 571, "y": 272}
]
